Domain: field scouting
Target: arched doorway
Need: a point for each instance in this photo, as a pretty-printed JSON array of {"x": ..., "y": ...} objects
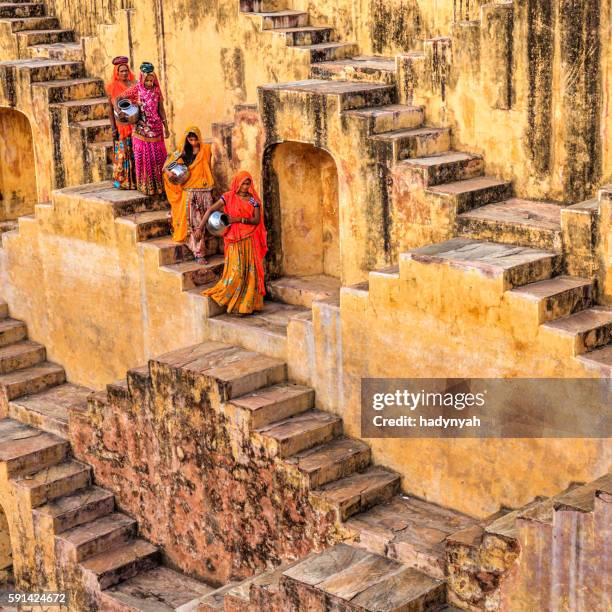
[
  {"x": 17, "y": 166},
  {"x": 6, "y": 557},
  {"x": 303, "y": 199}
]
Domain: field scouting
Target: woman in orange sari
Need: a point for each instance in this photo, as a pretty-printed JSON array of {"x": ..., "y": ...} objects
[
  {"x": 241, "y": 288},
  {"x": 187, "y": 215},
  {"x": 124, "y": 173}
]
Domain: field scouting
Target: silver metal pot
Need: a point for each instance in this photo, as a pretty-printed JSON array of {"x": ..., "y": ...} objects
[
  {"x": 218, "y": 223},
  {"x": 178, "y": 174},
  {"x": 127, "y": 112}
]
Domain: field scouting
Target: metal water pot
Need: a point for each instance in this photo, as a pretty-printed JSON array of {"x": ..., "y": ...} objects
[
  {"x": 178, "y": 174},
  {"x": 218, "y": 223},
  {"x": 127, "y": 112}
]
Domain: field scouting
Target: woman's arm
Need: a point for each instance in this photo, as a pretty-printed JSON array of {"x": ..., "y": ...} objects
[
  {"x": 245, "y": 220},
  {"x": 218, "y": 205},
  {"x": 162, "y": 114},
  {"x": 111, "y": 116}
]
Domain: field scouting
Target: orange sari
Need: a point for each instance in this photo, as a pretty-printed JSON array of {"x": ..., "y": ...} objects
[
  {"x": 200, "y": 177},
  {"x": 242, "y": 287}
]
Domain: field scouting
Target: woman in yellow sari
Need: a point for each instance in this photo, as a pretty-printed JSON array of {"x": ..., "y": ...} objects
[{"x": 187, "y": 212}]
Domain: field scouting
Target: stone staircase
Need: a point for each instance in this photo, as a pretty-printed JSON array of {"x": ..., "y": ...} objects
[
  {"x": 48, "y": 59},
  {"x": 92, "y": 540},
  {"x": 395, "y": 536},
  {"x": 484, "y": 228}
]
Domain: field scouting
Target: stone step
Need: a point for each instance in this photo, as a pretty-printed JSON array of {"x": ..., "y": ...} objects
[
  {"x": 515, "y": 221},
  {"x": 359, "y": 492},
  {"x": 21, "y": 9},
  {"x": 44, "y": 37},
  {"x": 26, "y": 450},
  {"x": 447, "y": 167},
  {"x": 71, "y": 89},
  {"x": 122, "y": 563},
  {"x": 558, "y": 297},
  {"x": 300, "y": 432},
  {"x": 211, "y": 602},
  {"x": 12, "y": 331},
  {"x": 582, "y": 498},
  {"x": 599, "y": 360},
  {"x": 304, "y": 35},
  {"x": 62, "y": 50},
  {"x": 325, "y": 52},
  {"x": 265, "y": 589},
  {"x": 359, "y": 68},
  {"x": 102, "y": 152},
  {"x": 156, "y": 590},
  {"x": 275, "y": 20},
  {"x": 81, "y": 507},
  {"x": 94, "y": 130},
  {"x": 304, "y": 290},
  {"x": 124, "y": 203},
  {"x": 4, "y": 310},
  {"x": 409, "y": 530},
  {"x": 236, "y": 371},
  {"x": 49, "y": 409},
  {"x": 274, "y": 403},
  {"x": 264, "y": 331},
  {"x": 31, "y": 380},
  {"x": 346, "y": 95},
  {"x": 171, "y": 252},
  {"x": 419, "y": 142},
  {"x": 193, "y": 274},
  {"x": 148, "y": 225},
  {"x": 84, "y": 110},
  {"x": 514, "y": 266},
  {"x": 331, "y": 461},
  {"x": 389, "y": 118},
  {"x": 42, "y": 71},
  {"x": 19, "y": 355},
  {"x": 586, "y": 330},
  {"x": 55, "y": 481},
  {"x": 349, "y": 578},
  {"x": 102, "y": 534},
  {"x": 473, "y": 193},
  {"x": 19, "y": 24}
]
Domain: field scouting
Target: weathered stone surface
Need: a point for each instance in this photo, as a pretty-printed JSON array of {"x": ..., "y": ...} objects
[
  {"x": 304, "y": 290},
  {"x": 49, "y": 409},
  {"x": 359, "y": 492},
  {"x": 515, "y": 221},
  {"x": 161, "y": 587},
  {"x": 49, "y": 483},
  {"x": 357, "y": 580},
  {"x": 588, "y": 329},
  {"x": 411, "y": 531}
]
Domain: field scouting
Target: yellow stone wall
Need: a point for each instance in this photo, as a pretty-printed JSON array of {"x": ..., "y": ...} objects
[{"x": 17, "y": 172}]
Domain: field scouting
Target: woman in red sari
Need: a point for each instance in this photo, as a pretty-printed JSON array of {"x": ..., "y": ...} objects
[
  {"x": 124, "y": 173},
  {"x": 241, "y": 288}
]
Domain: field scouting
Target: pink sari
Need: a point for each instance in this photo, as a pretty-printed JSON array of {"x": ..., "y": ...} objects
[{"x": 148, "y": 137}]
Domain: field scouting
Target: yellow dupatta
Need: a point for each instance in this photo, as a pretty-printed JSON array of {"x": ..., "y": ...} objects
[{"x": 200, "y": 177}]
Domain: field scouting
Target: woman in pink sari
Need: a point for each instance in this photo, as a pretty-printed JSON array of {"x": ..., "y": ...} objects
[{"x": 149, "y": 132}]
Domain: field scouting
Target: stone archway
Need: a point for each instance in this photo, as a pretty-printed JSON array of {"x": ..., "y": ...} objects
[
  {"x": 18, "y": 194},
  {"x": 6, "y": 555},
  {"x": 302, "y": 196}
]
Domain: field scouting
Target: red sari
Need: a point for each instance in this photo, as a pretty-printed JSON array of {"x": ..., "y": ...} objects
[
  {"x": 124, "y": 172},
  {"x": 242, "y": 287}
]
